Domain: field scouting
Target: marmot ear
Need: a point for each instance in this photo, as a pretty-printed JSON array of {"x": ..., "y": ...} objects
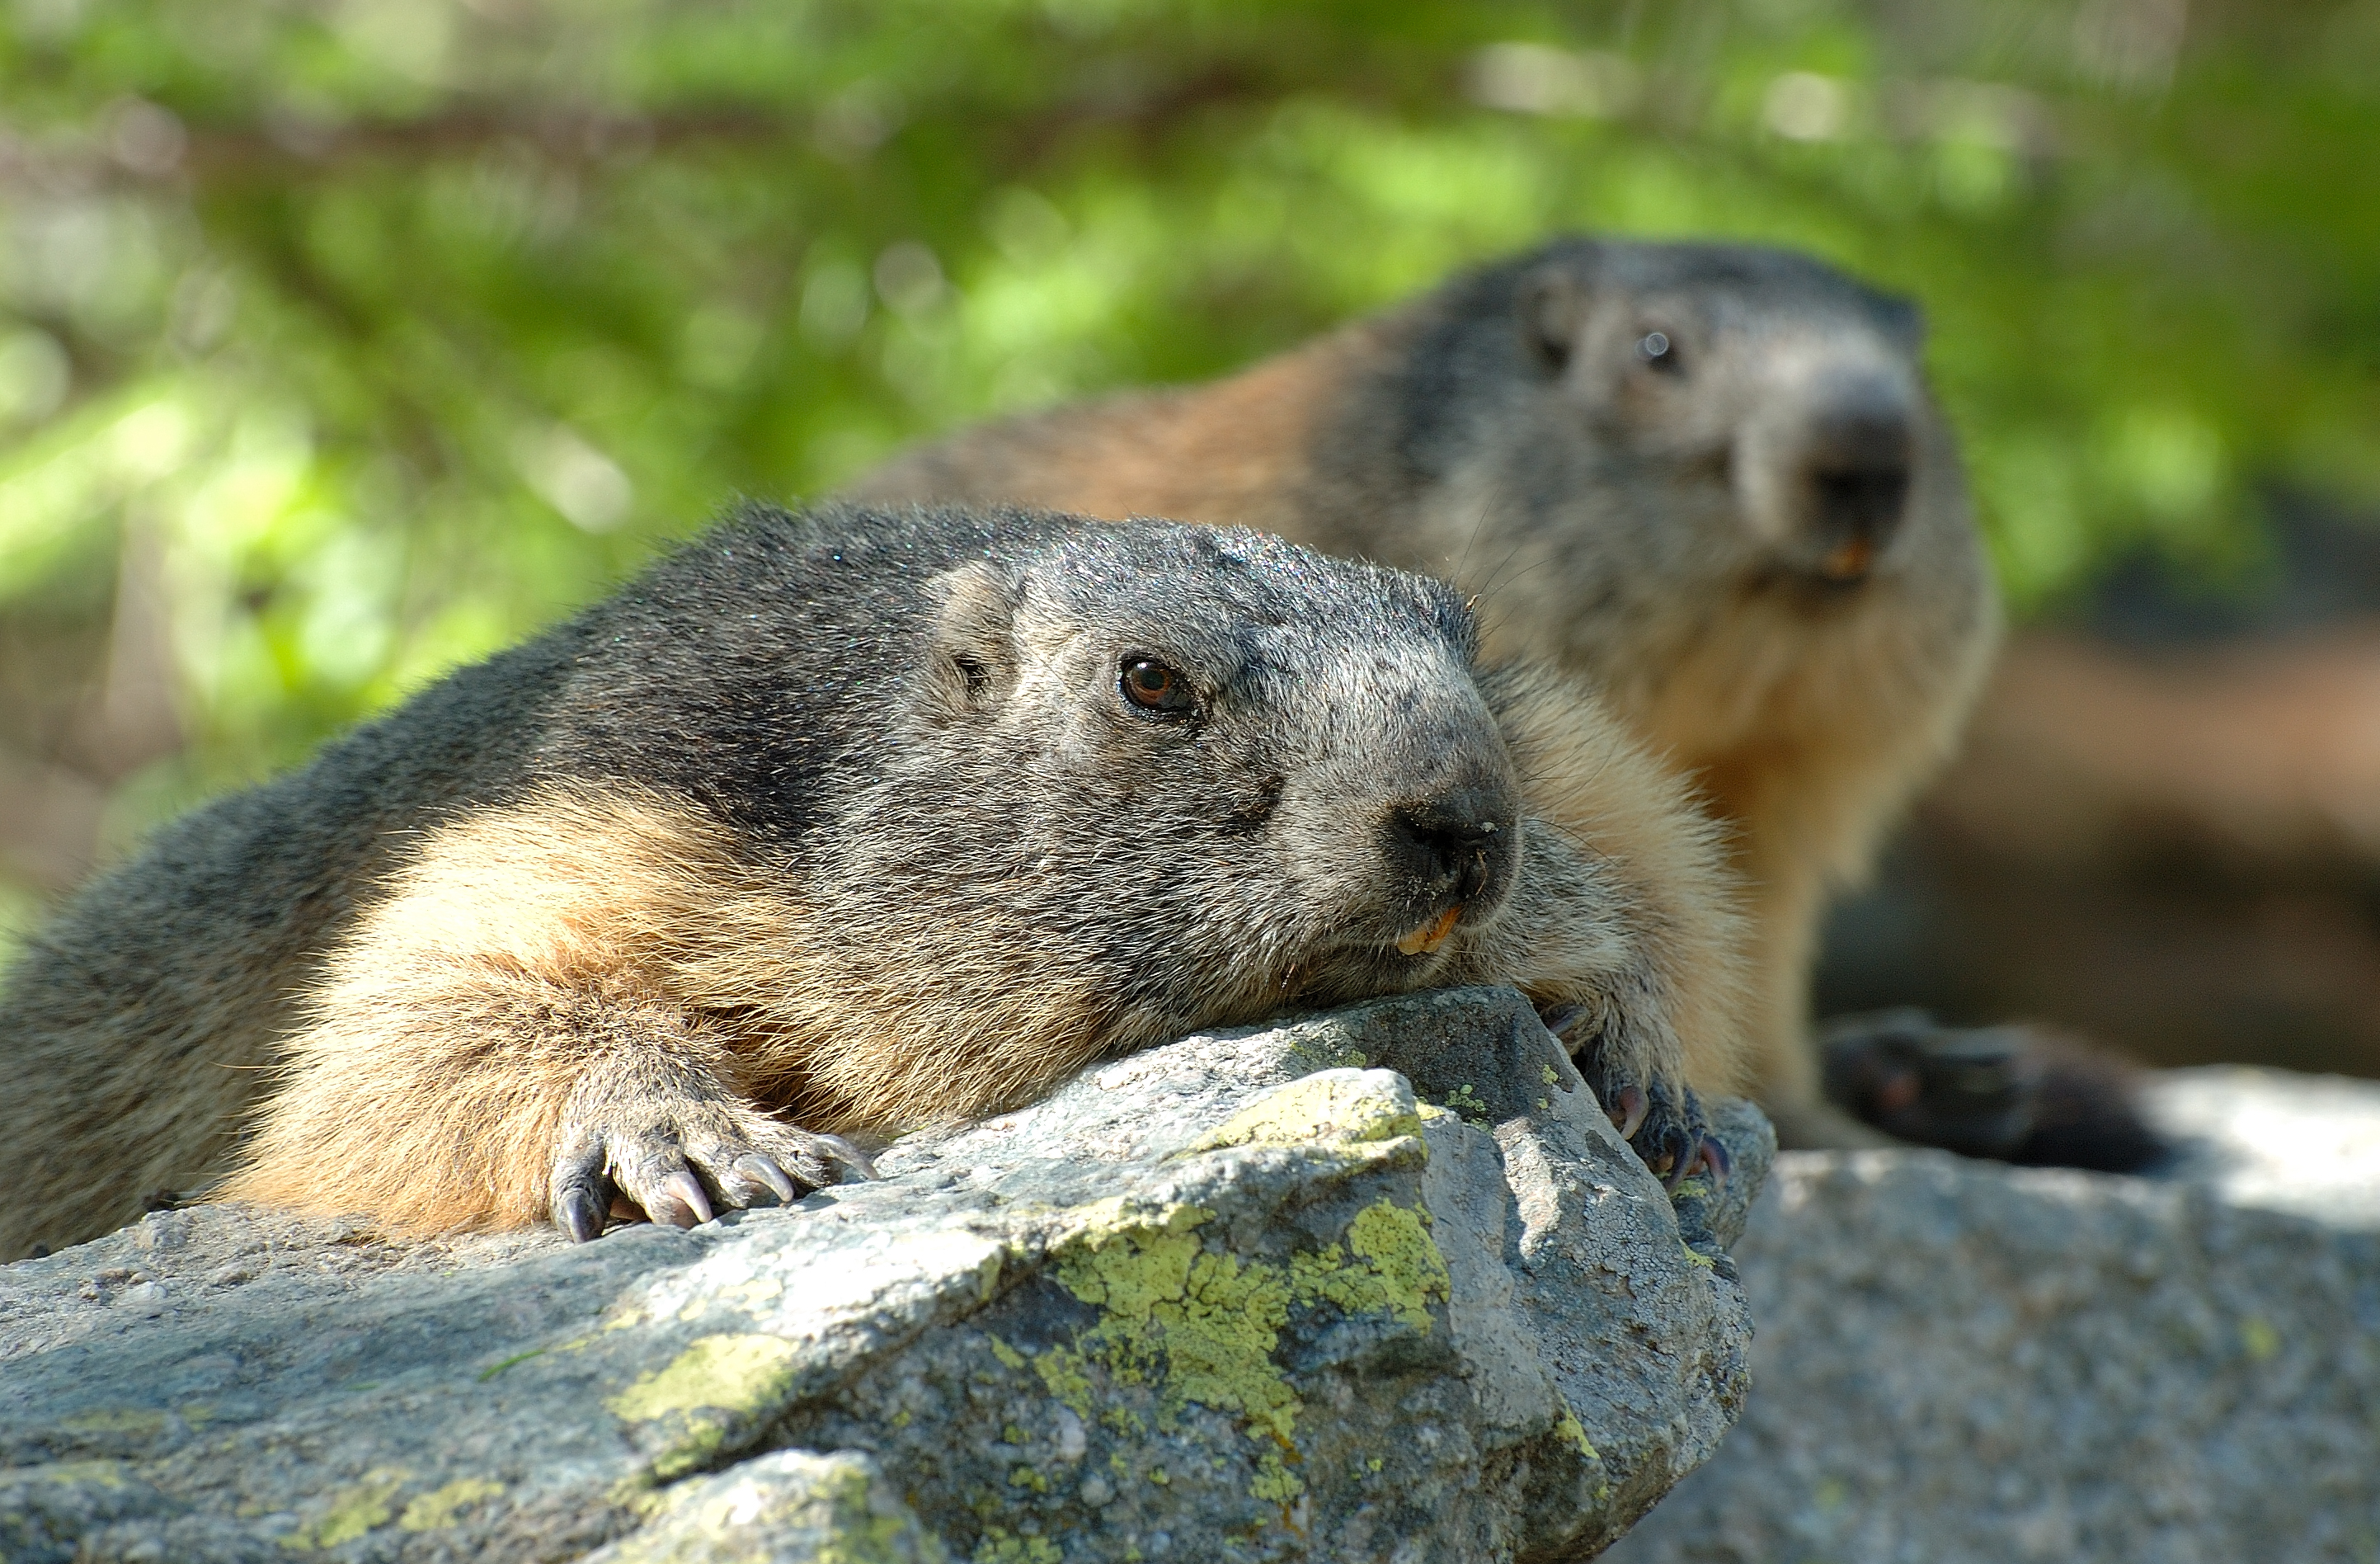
[
  {"x": 1550, "y": 309},
  {"x": 973, "y": 661}
]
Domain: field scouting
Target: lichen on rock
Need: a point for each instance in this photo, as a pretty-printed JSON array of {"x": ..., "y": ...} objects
[{"x": 1330, "y": 1104}]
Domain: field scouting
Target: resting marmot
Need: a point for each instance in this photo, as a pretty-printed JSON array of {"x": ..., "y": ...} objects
[
  {"x": 1709, "y": 477},
  {"x": 849, "y": 821}
]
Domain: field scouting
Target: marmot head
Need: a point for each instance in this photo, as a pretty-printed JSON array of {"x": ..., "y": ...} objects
[
  {"x": 1779, "y": 393},
  {"x": 1658, "y": 427},
  {"x": 1198, "y": 774}
]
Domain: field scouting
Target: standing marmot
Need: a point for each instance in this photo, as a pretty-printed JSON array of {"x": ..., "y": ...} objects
[
  {"x": 864, "y": 820},
  {"x": 1709, "y": 477}
]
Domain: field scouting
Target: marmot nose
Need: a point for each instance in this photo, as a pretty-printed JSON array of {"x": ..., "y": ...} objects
[
  {"x": 1857, "y": 468},
  {"x": 1454, "y": 846}
]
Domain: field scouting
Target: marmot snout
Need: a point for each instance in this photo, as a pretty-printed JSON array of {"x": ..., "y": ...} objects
[
  {"x": 1827, "y": 458},
  {"x": 848, "y": 822}
]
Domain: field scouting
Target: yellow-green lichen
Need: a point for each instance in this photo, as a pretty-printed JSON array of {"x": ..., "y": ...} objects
[
  {"x": 1395, "y": 1243},
  {"x": 1468, "y": 1104},
  {"x": 638, "y": 1494},
  {"x": 353, "y": 1511},
  {"x": 1026, "y": 1477},
  {"x": 861, "y": 1532},
  {"x": 1356, "y": 1105},
  {"x": 833, "y": 1504},
  {"x": 1061, "y": 1369},
  {"x": 1313, "y": 1053},
  {"x": 140, "y": 1422},
  {"x": 1401, "y": 1270},
  {"x": 1001, "y": 1547},
  {"x": 746, "y": 1296},
  {"x": 435, "y": 1510},
  {"x": 105, "y": 1474},
  {"x": 1201, "y": 1327},
  {"x": 2258, "y": 1337},
  {"x": 728, "y": 1372},
  {"x": 1567, "y": 1429},
  {"x": 715, "y": 1375},
  {"x": 1005, "y": 1354}
]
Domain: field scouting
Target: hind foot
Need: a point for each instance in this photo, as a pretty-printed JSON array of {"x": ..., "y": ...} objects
[{"x": 2014, "y": 1094}]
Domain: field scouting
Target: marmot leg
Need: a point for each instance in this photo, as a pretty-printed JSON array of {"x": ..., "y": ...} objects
[
  {"x": 468, "y": 1096},
  {"x": 499, "y": 1041},
  {"x": 1785, "y": 899}
]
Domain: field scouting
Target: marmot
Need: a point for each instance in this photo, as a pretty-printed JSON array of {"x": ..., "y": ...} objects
[
  {"x": 846, "y": 822},
  {"x": 1711, "y": 478}
]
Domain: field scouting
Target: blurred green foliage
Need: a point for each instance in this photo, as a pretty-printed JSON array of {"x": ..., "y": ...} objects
[{"x": 377, "y": 331}]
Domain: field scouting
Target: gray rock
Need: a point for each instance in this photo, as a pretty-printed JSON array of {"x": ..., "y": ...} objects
[
  {"x": 1964, "y": 1361},
  {"x": 1246, "y": 1297},
  {"x": 788, "y": 1508}
]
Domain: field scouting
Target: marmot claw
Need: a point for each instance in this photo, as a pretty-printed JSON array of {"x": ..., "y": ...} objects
[
  {"x": 1673, "y": 1139},
  {"x": 686, "y": 1162},
  {"x": 1627, "y": 1111},
  {"x": 1665, "y": 1126},
  {"x": 1664, "y": 1123}
]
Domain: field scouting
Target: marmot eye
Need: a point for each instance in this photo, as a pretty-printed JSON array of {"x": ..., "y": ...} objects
[
  {"x": 1658, "y": 351},
  {"x": 1153, "y": 687}
]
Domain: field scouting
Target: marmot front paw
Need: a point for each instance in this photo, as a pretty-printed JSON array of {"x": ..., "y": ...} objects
[
  {"x": 1663, "y": 1122},
  {"x": 1666, "y": 1127},
  {"x": 680, "y": 1158}
]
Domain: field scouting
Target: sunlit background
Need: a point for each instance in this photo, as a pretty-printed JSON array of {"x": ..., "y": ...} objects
[{"x": 340, "y": 342}]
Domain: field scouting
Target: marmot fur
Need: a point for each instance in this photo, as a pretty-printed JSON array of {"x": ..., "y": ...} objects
[
  {"x": 1709, "y": 478},
  {"x": 847, "y": 822}
]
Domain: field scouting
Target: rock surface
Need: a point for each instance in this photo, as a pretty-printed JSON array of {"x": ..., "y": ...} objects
[
  {"x": 1960, "y": 1362},
  {"x": 1246, "y": 1297}
]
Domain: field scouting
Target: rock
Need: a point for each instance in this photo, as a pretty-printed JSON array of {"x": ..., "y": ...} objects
[
  {"x": 787, "y": 1507},
  {"x": 1959, "y": 1361},
  {"x": 1246, "y": 1297}
]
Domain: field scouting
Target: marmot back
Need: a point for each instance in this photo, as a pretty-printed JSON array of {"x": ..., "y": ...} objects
[
  {"x": 1709, "y": 477},
  {"x": 843, "y": 823}
]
